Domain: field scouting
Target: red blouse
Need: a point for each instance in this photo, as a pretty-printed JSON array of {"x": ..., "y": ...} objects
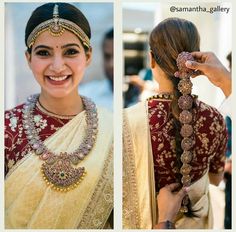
[
  {"x": 16, "y": 142},
  {"x": 210, "y": 141}
]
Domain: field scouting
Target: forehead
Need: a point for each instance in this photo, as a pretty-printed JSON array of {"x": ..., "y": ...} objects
[{"x": 47, "y": 39}]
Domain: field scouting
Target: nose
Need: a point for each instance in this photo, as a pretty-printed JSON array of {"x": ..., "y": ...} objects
[{"x": 58, "y": 64}]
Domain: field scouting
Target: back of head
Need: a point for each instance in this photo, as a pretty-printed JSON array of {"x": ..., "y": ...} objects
[{"x": 171, "y": 37}]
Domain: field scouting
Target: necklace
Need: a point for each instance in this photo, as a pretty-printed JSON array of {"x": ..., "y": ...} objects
[
  {"x": 49, "y": 113},
  {"x": 57, "y": 169},
  {"x": 165, "y": 96}
]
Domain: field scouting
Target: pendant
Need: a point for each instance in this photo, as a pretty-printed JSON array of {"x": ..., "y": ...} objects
[{"x": 59, "y": 173}]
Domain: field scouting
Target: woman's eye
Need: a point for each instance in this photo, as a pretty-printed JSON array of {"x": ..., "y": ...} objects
[
  {"x": 42, "y": 53},
  {"x": 71, "y": 51}
]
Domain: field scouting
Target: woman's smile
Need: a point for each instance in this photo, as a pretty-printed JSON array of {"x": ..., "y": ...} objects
[
  {"x": 58, "y": 80},
  {"x": 58, "y": 63}
]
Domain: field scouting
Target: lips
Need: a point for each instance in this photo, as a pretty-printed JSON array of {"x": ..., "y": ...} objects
[{"x": 58, "y": 80}]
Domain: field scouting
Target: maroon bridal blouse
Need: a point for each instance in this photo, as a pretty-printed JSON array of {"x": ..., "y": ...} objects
[
  {"x": 16, "y": 143},
  {"x": 210, "y": 141}
]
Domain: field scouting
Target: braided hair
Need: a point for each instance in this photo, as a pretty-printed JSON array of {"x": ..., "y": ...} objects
[{"x": 167, "y": 40}]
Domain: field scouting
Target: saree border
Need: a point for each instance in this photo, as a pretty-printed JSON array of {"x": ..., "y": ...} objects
[
  {"x": 130, "y": 213},
  {"x": 100, "y": 204}
]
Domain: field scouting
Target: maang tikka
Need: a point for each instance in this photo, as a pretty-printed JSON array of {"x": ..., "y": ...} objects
[
  {"x": 56, "y": 27},
  {"x": 185, "y": 103}
]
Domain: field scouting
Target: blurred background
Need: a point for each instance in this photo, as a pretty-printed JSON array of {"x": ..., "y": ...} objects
[
  {"x": 215, "y": 30},
  {"x": 19, "y": 81},
  {"x": 139, "y": 19}
]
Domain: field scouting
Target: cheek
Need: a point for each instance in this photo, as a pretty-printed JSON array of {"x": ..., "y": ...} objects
[
  {"x": 78, "y": 65},
  {"x": 38, "y": 66}
]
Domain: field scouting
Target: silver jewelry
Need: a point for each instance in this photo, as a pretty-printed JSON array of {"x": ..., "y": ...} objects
[{"x": 57, "y": 169}]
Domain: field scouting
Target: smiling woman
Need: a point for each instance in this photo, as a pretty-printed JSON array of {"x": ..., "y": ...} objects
[{"x": 54, "y": 140}]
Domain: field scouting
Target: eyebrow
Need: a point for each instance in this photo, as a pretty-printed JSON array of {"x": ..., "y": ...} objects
[
  {"x": 70, "y": 45},
  {"x": 64, "y": 46},
  {"x": 42, "y": 46}
]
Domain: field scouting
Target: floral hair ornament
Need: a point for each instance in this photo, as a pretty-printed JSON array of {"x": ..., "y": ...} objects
[
  {"x": 56, "y": 27},
  {"x": 185, "y": 103}
]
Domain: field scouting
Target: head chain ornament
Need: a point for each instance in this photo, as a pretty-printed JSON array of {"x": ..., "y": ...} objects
[
  {"x": 185, "y": 103},
  {"x": 56, "y": 27}
]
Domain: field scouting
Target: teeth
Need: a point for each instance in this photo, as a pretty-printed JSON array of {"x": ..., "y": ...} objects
[{"x": 62, "y": 78}]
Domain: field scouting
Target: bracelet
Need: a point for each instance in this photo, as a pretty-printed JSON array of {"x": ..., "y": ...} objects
[{"x": 165, "y": 225}]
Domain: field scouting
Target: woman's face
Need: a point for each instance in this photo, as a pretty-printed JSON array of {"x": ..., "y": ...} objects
[{"x": 58, "y": 63}]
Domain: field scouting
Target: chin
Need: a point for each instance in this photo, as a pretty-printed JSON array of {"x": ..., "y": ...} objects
[{"x": 58, "y": 93}]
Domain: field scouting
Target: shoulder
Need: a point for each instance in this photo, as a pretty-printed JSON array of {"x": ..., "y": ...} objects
[
  {"x": 211, "y": 116},
  {"x": 136, "y": 111},
  {"x": 209, "y": 111},
  {"x": 105, "y": 118},
  {"x": 13, "y": 117},
  {"x": 135, "y": 117},
  {"x": 104, "y": 113}
]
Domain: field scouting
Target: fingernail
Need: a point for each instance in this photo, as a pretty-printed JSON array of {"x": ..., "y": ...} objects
[
  {"x": 186, "y": 189},
  {"x": 188, "y": 63}
]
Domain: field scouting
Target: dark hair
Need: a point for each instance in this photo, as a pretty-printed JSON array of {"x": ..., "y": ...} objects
[
  {"x": 66, "y": 11},
  {"x": 108, "y": 34},
  {"x": 169, "y": 38}
]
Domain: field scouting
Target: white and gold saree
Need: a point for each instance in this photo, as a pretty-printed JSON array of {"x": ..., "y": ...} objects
[
  {"x": 30, "y": 203},
  {"x": 139, "y": 197}
]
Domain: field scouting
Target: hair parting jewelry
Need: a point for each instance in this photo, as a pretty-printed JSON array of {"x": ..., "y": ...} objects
[
  {"x": 185, "y": 103},
  {"x": 57, "y": 169},
  {"x": 56, "y": 27}
]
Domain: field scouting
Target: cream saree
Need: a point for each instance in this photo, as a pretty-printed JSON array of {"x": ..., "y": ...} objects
[
  {"x": 30, "y": 203},
  {"x": 139, "y": 200}
]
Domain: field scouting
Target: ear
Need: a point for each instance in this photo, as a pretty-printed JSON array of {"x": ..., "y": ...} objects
[
  {"x": 152, "y": 61},
  {"x": 88, "y": 56},
  {"x": 28, "y": 58}
]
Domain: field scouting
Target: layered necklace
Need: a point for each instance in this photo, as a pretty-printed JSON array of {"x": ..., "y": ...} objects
[{"x": 59, "y": 170}]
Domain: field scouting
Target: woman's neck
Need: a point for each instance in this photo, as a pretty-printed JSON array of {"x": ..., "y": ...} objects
[
  {"x": 69, "y": 105},
  {"x": 165, "y": 85}
]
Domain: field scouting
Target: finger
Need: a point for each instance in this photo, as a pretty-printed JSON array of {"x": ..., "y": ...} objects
[
  {"x": 182, "y": 192},
  {"x": 172, "y": 187},
  {"x": 196, "y": 73},
  {"x": 198, "y": 55},
  {"x": 194, "y": 65}
]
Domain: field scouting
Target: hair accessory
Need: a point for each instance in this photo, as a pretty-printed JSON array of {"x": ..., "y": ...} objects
[
  {"x": 185, "y": 103},
  {"x": 56, "y": 27},
  {"x": 58, "y": 169}
]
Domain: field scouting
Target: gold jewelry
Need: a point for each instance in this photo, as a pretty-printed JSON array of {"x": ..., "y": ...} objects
[
  {"x": 185, "y": 103},
  {"x": 164, "y": 96},
  {"x": 56, "y": 27}
]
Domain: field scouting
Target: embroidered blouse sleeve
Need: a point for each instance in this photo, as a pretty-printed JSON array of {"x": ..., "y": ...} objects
[
  {"x": 10, "y": 133},
  {"x": 218, "y": 161}
]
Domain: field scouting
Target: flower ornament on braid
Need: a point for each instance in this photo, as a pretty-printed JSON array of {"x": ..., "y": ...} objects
[{"x": 185, "y": 103}]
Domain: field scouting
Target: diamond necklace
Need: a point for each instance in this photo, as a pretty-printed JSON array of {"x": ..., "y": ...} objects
[{"x": 57, "y": 169}]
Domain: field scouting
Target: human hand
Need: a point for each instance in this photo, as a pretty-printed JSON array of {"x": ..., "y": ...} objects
[
  {"x": 169, "y": 201},
  {"x": 209, "y": 65}
]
